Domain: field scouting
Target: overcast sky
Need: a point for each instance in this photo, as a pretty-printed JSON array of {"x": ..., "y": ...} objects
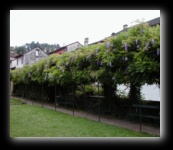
[{"x": 67, "y": 26}]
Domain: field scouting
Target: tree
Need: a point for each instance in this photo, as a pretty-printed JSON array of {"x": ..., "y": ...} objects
[
  {"x": 131, "y": 58},
  {"x": 20, "y": 50},
  {"x": 145, "y": 66},
  {"x": 44, "y": 46}
]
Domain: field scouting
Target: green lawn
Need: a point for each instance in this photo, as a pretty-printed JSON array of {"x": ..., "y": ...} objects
[{"x": 35, "y": 121}]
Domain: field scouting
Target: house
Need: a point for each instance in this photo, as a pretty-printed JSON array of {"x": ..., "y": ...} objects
[
  {"x": 68, "y": 48},
  {"x": 34, "y": 55},
  {"x": 12, "y": 53},
  {"x": 29, "y": 57},
  {"x": 152, "y": 22},
  {"x": 12, "y": 56},
  {"x": 17, "y": 62}
]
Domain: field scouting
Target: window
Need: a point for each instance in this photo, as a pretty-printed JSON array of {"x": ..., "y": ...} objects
[
  {"x": 17, "y": 61},
  {"x": 36, "y": 52},
  {"x": 22, "y": 61}
]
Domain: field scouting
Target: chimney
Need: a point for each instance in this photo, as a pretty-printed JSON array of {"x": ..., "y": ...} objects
[
  {"x": 86, "y": 42},
  {"x": 125, "y": 27}
]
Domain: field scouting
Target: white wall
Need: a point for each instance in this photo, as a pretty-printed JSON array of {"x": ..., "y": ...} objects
[
  {"x": 13, "y": 63},
  {"x": 149, "y": 92},
  {"x": 73, "y": 46},
  {"x": 20, "y": 63}
]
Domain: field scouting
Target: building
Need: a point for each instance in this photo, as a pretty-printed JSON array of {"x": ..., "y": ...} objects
[
  {"x": 12, "y": 56},
  {"x": 68, "y": 48},
  {"x": 29, "y": 57},
  {"x": 152, "y": 22}
]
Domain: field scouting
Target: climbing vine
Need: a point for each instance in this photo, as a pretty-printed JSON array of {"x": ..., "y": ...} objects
[{"x": 132, "y": 57}]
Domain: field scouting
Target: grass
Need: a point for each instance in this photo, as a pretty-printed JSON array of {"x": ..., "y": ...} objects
[
  {"x": 15, "y": 102},
  {"x": 35, "y": 121}
]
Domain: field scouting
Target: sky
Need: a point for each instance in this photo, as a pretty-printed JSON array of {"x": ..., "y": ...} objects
[{"x": 64, "y": 27}]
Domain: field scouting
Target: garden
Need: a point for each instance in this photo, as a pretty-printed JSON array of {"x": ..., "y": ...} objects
[{"x": 87, "y": 78}]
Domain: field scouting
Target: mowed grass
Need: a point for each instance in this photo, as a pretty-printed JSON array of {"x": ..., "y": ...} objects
[
  {"x": 15, "y": 102},
  {"x": 35, "y": 121}
]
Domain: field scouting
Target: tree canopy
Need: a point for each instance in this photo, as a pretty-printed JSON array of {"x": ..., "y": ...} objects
[
  {"x": 132, "y": 57},
  {"x": 29, "y": 46}
]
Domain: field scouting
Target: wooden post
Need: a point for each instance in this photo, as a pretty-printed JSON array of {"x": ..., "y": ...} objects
[
  {"x": 140, "y": 114},
  {"x": 55, "y": 97},
  {"x": 98, "y": 102},
  {"x": 73, "y": 99},
  {"x": 42, "y": 95},
  {"x": 11, "y": 87},
  {"x": 32, "y": 93},
  {"x": 84, "y": 92}
]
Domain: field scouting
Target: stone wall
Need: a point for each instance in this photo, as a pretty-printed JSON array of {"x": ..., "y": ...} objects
[{"x": 30, "y": 57}]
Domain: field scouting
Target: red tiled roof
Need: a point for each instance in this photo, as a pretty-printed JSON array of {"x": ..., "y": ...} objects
[{"x": 13, "y": 54}]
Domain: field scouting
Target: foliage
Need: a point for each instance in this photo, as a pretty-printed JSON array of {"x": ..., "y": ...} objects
[
  {"x": 29, "y": 46},
  {"x": 47, "y": 47},
  {"x": 20, "y": 49},
  {"x": 132, "y": 57}
]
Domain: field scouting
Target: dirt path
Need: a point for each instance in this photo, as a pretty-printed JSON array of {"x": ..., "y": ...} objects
[{"x": 112, "y": 121}]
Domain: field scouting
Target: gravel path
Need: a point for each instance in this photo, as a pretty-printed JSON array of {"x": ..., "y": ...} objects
[{"x": 113, "y": 121}]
